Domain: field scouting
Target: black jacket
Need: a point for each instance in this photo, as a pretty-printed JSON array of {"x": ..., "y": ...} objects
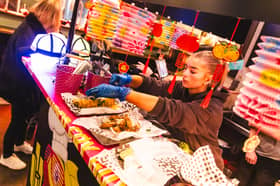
[{"x": 15, "y": 81}]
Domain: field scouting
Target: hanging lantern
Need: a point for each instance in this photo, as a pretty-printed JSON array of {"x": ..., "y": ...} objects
[
  {"x": 48, "y": 51},
  {"x": 133, "y": 28},
  {"x": 52, "y": 44},
  {"x": 102, "y": 21},
  {"x": 168, "y": 28},
  {"x": 81, "y": 49},
  {"x": 180, "y": 61},
  {"x": 258, "y": 101},
  {"x": 179, "y": 30},
  {"x": 123, "y": 67},
  {"x": 188, "y": 43},
  {"x": 226, "y": 51},
  {"x": 157, "y": 30},
  {"x": 80, "y": 46},
  {"x": 89, "y": 4}
]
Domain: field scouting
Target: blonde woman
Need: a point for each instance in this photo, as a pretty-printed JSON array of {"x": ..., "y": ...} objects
[
  {"x": 16, "y": 85},
  {"x": 180, "y": 112}
]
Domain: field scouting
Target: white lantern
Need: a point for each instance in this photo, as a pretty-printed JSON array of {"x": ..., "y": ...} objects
[{"x": 49, "y": 50}]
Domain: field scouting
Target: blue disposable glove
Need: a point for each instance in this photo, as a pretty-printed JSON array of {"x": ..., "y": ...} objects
[
  {"x": 120, "y": 79},
  {"x": 109, "y": 91}
]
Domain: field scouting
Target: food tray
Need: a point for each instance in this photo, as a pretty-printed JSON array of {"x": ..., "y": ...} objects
[
  {"x": 68, "y": 97},
  {"x": 108, "y": 137}
]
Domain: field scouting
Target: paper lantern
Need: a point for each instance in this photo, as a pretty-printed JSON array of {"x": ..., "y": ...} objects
[
  {"x": 133, "y": 28},
  {"x": 102, "y": 22},
  {"x": 80, "y": 46},
  {"x": 188, "y": 42},
  {"x": 271, "y": 47},
  {"x": 180, "y": 29},
  {"x": 112, "y": 3},
  {"x": 226, "y": 51},
  {"x": 168, "y": 28},
  {"x": 48, "y": 50},
  {"x": 52, "y": 44},
  {"x": 258, "y": 101},
  {"x": 272, "y": 57},
  {"x": 157, "y": 30},
  {"x": 225, "y": 54},
  {"x": 271, "y": 40}
]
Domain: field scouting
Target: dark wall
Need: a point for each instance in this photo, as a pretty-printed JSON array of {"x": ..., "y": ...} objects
[
  {"x": 269, "y": 30},
  {"x": 222, "y": 26},
  {"x": 3, "y": 42},
  {"x": 260, "y": 10}
]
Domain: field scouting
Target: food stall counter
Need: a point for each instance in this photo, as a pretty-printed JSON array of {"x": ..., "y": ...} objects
[
  {"x": 85, "y": 143},
  {"x": 68, "y": 151}
]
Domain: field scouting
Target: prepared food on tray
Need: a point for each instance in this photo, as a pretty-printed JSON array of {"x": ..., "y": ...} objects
[
  {"x": 87, "y": 102},
  {"x": 119, "y": 123}
]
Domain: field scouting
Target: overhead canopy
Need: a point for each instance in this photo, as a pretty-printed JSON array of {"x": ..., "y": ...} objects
[{"x": 261, "y": 10}]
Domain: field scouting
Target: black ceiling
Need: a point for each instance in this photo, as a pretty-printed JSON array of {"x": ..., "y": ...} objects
[{"x": 261, "y": 10}]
